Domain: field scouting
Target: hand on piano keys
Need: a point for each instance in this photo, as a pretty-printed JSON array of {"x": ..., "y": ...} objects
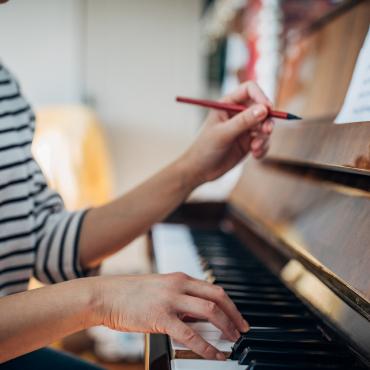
[
  {"x": 226, "y": 139},
  {"x": 157, "y": 303}
]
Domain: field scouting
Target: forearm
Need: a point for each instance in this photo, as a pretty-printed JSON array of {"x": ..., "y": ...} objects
[
  {"x": 108, "y": 228},
  {"x": 33, "y": 319}
]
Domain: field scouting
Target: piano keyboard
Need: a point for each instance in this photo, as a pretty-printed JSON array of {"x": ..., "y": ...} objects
[{"x": 284, "y": 334}]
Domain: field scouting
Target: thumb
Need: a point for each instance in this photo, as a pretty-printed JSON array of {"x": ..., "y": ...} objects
[{"x": 245, "y": 120}]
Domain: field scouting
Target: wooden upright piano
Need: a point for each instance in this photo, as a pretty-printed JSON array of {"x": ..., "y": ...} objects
[{"x": 291, "y": 246}]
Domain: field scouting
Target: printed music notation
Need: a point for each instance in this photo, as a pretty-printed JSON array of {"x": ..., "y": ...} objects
[{"x": 356, "y": 106}]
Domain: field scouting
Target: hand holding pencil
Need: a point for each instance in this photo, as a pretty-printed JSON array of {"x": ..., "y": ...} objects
[
  {"x": 226, "y": 138},
  {"x": 232, "y": 108}
]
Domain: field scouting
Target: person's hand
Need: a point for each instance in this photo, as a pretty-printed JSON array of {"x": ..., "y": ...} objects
[
  {"x": 158, "y": 303},
  {"x": 225, "y": 140}
]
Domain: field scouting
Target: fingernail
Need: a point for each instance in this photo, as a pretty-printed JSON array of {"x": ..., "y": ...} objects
[
  {"x": 220, "y": 356},
  {"x": 259, "y": 111},
  {"x": 245, "y": 326}
]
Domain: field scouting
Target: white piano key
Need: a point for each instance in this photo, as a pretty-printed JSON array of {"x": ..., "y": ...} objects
[
  {"x": 184, "y": 364},
  {"x": 221, "y": 344},
  {"x": 211, "y": 334},
  {"x": 175, "y": 251},
  {"x": 204, "y": 326}
]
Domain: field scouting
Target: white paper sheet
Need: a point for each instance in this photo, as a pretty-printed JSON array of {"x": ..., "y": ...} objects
[{"x": 356, "y": 106}]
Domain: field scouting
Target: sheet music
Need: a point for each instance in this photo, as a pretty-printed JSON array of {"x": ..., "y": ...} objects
[{"x": 356, "y": 107}]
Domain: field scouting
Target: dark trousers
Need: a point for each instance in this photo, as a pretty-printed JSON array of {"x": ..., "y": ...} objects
[{"x": 47, "y": 359}]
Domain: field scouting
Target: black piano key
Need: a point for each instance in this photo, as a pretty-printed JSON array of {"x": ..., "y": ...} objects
[
  {"x": 249, "y": 303},
  {"x": 248, "y": 281},
  {"x": 267, "y": 297},
  {"x": 259, "y": 365},
  {"x": 210, "y": 254},
  {"x": 247, "y": 275},
  {"x": 275, "y": 310},
  {"x": 291, "y": 355},
  {"x": 248, "y": 288},
  {"x": 250, "y": 271},
  {"x": 284, "y": 334},
  {"x": 290, "y": 343},
  {"x": 275, "y": 319},
  {"x": 315, "y": 344},
  {"x": 228, "y": 261},
  {"x": 297, "y": 333}
]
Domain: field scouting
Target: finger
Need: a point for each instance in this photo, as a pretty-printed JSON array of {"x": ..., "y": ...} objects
[
  {"x": 255, "y": 131},
  {"x": 261, "y": 153},
  {"x": 216, "y": 294},
  {"x": 245, "y": 141},
  {"x": 257, "y": 94},
  {"x": 245, "y": 120},
  {"x": 185, "y": 335},
  {"x": 268, "y": 126},
  {"x": 248, "y": 90},
  {"x": 203, "y": 309},
  {"x": 259, "y": 142}
]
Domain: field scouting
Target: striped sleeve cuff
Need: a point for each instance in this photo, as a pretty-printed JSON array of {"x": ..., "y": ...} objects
[{"x": 58, "y": 250}]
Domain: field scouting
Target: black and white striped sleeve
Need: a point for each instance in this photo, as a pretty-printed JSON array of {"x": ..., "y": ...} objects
[
  {"x": 57, "y": 250},
  {"x": 37, "y": 235}
]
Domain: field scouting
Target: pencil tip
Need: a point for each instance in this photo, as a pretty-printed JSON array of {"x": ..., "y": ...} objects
[{"x": 293, "y": 116}]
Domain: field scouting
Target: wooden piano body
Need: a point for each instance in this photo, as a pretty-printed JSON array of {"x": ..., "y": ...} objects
[{"x": 305, "y": 209}]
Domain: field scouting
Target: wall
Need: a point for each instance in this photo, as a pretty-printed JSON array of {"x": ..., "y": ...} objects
[
  {"x": 140, "y": 55},
  {"x": 129, "y": 58},
  {"x": 40, "y": 42}
]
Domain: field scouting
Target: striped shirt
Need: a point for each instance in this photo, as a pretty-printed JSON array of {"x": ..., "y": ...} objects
[{"x": 38, "y": 237}]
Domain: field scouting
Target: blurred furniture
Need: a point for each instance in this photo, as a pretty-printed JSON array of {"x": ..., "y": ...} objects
[{"x": 69, "y": 146}]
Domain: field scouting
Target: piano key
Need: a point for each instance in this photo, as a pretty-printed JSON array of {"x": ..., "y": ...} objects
[
  {"x": 291, "y": 355},
  {"x": 248, "y": 278},
  {"x": 228, "y": 261},
  {"x": 248, "y": 281},
  {"x": 291, "y": 343},
  {"x": 274, "y": 319},
  {"x": 281, "y": 333},
  {"x": 261, "y": 296},
  {"x": 207, "y": 331},
  {"x": 182, "y": 256},
  {"x": 229, "y": 287},
  {"x": 305, "y": 343},
  {"x": 181, "y": 351},
  {"x": 309, "y": 331},
  {"x": 251, "y": 271},
  {"x": 249, "y": 303},
  {"x": 257, "y": 365},
  {"x": 182, "y": 364}
]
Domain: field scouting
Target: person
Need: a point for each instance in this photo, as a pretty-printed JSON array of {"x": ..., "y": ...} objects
[{"x": 38, "y": 237}]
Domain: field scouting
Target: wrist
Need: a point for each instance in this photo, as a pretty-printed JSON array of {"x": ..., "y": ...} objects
[
  {"x": 94, "y": 301},
  {"x": 190, "y": 178}
]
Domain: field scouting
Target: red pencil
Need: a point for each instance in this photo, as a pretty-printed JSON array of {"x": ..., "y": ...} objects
[{"x": 232, "y": 108}]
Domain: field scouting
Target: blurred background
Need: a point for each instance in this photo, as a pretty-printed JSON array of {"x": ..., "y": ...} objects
[{"x": 102, "y": 77}]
